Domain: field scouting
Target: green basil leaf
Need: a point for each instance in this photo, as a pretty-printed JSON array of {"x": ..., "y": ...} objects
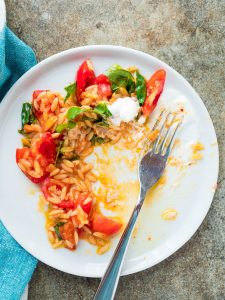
[
  {"x": 27, "y": 115},
  {"x": 102, "y": 123},
  {"x": 113, "y": 68},
  {"x": 121, "y": 78},
  {"x": 70, "y": 90},
  {"x": 32, "y": 117},
  {"x": 140, "y": 89},
  {"x": 21, "y": 131},
  {"x": 102, "y": 110},
  {"x": 71, "y": 124},
  {"x": 97, "y": 140},
  {"x": 60, "y": 224},
  {"x": 73, "y": 112},
  {"x": 60, "y": 128},
  {"x": 88, "y": 118},
  {"x": 56, "y": 228}
]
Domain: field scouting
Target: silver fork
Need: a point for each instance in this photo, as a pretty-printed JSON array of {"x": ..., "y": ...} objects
[{"x": 151, "y": 167}]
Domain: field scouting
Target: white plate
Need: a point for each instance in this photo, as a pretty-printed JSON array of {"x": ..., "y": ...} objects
[{"x": 190, "y": 191}]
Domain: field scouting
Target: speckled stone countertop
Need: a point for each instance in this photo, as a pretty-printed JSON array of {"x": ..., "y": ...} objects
[{"x": 190, "y": 37}]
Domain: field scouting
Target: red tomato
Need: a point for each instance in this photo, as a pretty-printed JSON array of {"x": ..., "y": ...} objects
[
  {"x": 66, "y": 204},
  {"x": 45, "y": 185},
  {"x": 67, "y": 233},
  {"x": 21, "y": 154},
  {"x": 105, "y": 225},
  {"x": 71, "y": 205},
  {"x": 104, "y": 85},
  {"x": 86, "y": 207},
  {"x": 37, "y": 113},
  {"x": 36, "y": 93},
  {"x": 85, "y": 77},
  {"x": 44, "y": 152},
  {"x": 36, "y": 180},
  {"x": 154, "y": 90},
  {"x": 46, "y": 147}
]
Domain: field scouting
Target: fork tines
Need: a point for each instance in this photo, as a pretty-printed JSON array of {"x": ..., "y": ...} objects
[{"x": 167, "y": 125}]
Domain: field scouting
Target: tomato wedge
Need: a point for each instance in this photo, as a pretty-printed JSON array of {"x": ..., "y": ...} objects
[
  {"x": 104, "y": 85},
  {"x": 25, "y": 153},
  {"x": 36, "y": 93},
  {"x": 67, "y": 204},
  {"x": 21, "y": 153},
  {"x": 46, "y": 147},
  {"x": 105, "y": 225},
  {"x": 80, "y": 201},
  {"x": 67, "y": 233},
  {"x": 45, "y": 185},
  {"x": 43, "y": 153},
  {"x": 154, "y": 90},
  {"x": 86, "y": 207},
  {"x": 85, "y": 77}
]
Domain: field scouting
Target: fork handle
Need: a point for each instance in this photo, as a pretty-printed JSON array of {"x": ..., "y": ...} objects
[{"x": 108, "y": 285}]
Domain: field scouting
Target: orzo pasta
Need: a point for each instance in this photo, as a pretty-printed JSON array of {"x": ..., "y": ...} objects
[{"x": 60, "y": 132}]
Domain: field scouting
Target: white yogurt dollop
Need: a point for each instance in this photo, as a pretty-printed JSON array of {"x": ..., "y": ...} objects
[{"x": 124, "y": 110}]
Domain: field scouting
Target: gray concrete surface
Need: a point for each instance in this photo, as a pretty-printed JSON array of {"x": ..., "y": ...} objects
[{"x": 189, "y": 36}]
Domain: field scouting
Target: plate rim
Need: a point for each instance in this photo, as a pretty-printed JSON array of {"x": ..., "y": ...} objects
[{"x": 5, "y": 103}]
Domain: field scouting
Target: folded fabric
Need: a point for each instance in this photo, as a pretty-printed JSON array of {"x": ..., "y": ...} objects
[
  {"x": 15, "y": 59},
  {"x": 16, "y": 267},
  {"x": 16, "y": 264}
]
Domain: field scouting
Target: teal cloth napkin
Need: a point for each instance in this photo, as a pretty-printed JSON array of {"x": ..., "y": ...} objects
[{"x": 16, "y": 265}]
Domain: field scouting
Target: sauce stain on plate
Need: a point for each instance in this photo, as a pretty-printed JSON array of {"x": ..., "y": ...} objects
[{"x": 32, "y": 191}]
